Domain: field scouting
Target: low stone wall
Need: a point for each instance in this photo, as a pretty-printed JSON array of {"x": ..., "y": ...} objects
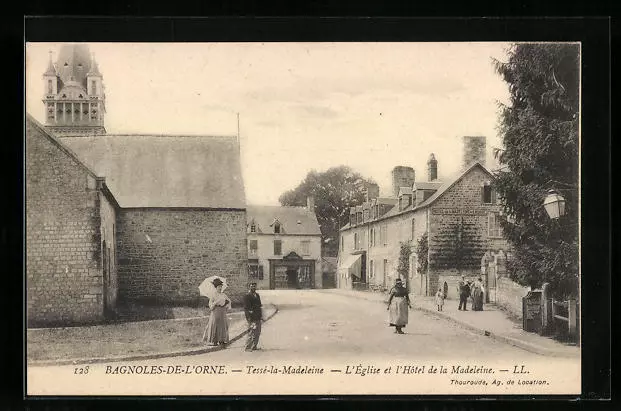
[{"x": 509, "y": 295}]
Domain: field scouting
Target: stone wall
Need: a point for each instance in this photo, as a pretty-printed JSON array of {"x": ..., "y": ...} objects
[
  {"x": 63, "y": 273},
  {"x": 108, "y": 212},
  {"x": 164, "y": 254},
  {"x": 509, "y": 295},
  {"x": 458, "y": 240}
]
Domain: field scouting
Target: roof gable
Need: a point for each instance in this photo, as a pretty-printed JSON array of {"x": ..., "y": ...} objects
[
  {"x": 30, "y": 120},
  {"x": 451, "y": 182},
  {"x": 293, "y": 220},
  {"x": 158, "y": 171}
]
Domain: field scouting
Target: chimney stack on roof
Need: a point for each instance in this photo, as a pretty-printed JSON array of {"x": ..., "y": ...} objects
[
  {"x": 432, "y": 168},
  {"x": 372, "y": 191},
  {"x": 402, "y": 176},
  {"x": 474, "y": 150}
]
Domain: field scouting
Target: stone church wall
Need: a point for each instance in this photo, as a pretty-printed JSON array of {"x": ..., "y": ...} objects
[
  {"x": 164, "y": 254},
  {"x": 63, "y": 274}
]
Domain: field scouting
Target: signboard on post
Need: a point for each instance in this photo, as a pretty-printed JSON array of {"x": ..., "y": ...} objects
[{"x": 531, "y": 311}]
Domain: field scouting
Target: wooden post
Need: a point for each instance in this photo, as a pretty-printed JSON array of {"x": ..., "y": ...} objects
[
  {"x": 571, "y": 316},
  {"x": 546, "y": 313}
]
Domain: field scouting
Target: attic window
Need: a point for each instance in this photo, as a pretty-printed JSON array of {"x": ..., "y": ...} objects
[
  {"x": 487, "y": 195},
  {"x": 253, "y": 228},
  {"x": 66, "y": 64},
  {"x": 276, "y": 227}
]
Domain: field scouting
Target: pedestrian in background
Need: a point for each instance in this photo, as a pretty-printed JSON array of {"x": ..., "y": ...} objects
[
  {"x": 440, "y": 299},
  {"x": 218, "y": 325},
  {"x": 477, "y": 295},
  {"x": 464, "y": 290},
  {"x": 398, "y": 304},
  {"x": 254, "y": 314}
]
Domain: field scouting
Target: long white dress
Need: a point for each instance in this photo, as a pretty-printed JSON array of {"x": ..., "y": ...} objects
[{"x": 218, "y": 325}]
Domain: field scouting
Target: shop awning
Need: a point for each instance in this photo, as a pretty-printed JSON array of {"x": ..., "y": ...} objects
[{"x": 351, "y": 265}]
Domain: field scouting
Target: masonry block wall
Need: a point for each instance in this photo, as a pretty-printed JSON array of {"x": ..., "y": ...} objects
[
  {"x": 458, "y": 241},
  {"x": 164, "y": 254},
  {"x": 509, "y": 295},
  {"x": 63, "y": 275},
  {"x": 108, "y": 212}
]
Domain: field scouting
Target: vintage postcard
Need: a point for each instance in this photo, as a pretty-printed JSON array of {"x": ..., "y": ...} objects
[{"x": 224, "y": 219}]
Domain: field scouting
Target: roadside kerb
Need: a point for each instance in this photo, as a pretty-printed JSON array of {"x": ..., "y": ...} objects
[
  {"x": 536, "y": 349},
  {"x": 239, "y": 328}
]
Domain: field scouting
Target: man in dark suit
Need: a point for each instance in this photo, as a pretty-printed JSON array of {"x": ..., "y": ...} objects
[
  {"x": 464, "y": 292},
  {"x": 253, "y": 311}
]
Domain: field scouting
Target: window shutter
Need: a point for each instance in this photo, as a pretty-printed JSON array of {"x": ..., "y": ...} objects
[{"x": 483, "y": 195}]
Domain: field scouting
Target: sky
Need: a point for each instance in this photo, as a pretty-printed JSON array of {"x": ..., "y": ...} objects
[{"x": 302, "y": 106}]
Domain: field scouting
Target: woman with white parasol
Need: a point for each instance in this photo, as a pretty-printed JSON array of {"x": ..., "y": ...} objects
[{"x": 217, "y": 330}]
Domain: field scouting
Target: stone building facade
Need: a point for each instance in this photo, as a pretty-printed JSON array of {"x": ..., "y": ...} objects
[
  {"x": 284, "y": 247},
  {"x": 455, "y": 222},
  {"x": 70, "y": 250},
  {"x": 182, "y": 214},
  {"x": 120, "y": 218}
]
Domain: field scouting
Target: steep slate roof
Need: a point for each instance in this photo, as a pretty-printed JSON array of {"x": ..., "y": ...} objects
[
  {"x": 149, "y": 171},
  {"x": 451, "y": 182},
  {"x": 56, "y": 141},
  {"x": 439, "y": 192},
  {"x": 427, "y": 185},
  {"x": 288, "y": 217},
  {"x": 77, "y": 58}
]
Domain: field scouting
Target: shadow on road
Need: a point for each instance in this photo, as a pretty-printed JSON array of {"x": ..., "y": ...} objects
[{"x": 282, "y": 307}]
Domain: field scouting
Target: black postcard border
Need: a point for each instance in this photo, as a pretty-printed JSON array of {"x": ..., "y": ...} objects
[{"x": 593, "y": 33}]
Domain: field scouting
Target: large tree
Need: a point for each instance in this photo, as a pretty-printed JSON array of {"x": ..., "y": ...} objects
[
  {"x": 335, "y": 191},
  {"x": 539, "y": 128}
]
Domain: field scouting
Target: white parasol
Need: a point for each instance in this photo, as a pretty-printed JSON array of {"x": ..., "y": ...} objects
[{"x": 207, "y": 288}]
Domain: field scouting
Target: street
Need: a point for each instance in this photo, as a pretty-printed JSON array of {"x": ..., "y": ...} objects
[{"x": 314, "y": 330}]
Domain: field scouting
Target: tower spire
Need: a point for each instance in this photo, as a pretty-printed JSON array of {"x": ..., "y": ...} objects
[{"x": 51, "y": 71}]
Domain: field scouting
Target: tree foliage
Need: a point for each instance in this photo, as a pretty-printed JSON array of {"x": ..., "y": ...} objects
[
  {"x": 403, "y": 268},
  {"x": 422, "y": 249},
  {"x": 335, "y": 191},
  {"x": 539, "y": 128}
]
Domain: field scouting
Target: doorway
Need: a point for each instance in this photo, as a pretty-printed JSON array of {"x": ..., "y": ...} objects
[{"x": 292, "y": 278}]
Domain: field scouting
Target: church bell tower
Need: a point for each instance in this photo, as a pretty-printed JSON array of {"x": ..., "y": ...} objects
[{"x": 75, "y": 102}]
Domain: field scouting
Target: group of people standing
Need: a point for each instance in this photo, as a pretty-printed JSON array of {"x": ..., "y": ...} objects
[
  {"x": 399, "y": 300},
  {"x": 217, "y": 330},
  {"x": 475, "y": 290}
]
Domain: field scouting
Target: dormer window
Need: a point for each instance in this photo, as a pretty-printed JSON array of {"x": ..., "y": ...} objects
[
  {"x": 276, "y": 227},
  {"x": 253, "y": 228}
]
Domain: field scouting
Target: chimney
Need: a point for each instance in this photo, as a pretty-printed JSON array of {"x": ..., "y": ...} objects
[
  {"x": 310, "y": 203},
  {"x": 402, "y": 176},
  {"x": 372, "y": 191},
  {"x": 432, "y": 168},
  {"x": 474, "y": 150}
]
